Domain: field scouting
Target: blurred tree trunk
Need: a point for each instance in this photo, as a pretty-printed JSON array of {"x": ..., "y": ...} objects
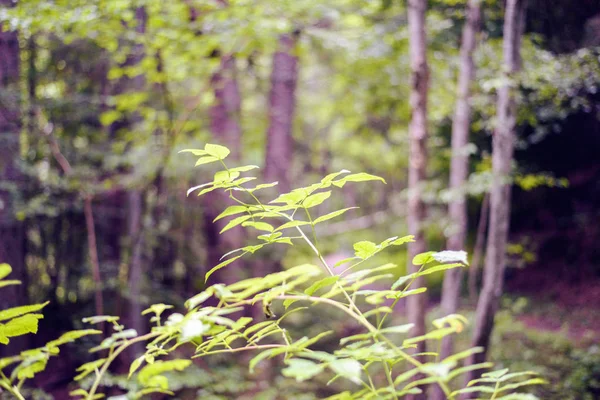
[
  {"x": 479, "y": 248},
  {"x": 417, "y": 160},
  {"x": 503, "y": 146},
  {"x": 135, "y": 201},
  {"x": 12, "y": 231},
  {"x": 459, "y": 169},
  {"x": 282, "y": 104},
  {"x": 226, "y": 129}
]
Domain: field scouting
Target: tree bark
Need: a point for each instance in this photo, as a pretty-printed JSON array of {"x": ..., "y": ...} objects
[
  {"x": 503, "y": 147},
  {"x": 459, "y": 169},
  {"x": 417, "y": 160},
  {"x": 135, "y": 199},
  {"x": 12, "y": 231},
  {"x": 226, "y": 129},
  {"x": 479, "y": 248},
  {"x": 282, "y": 104}
]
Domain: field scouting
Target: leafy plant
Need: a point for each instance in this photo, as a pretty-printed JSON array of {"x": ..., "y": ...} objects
[
  {"x": 20, "y": 321},
  {"x": 289, "y": 219}
]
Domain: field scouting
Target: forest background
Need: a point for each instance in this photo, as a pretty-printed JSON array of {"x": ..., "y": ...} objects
[{"x": 97, "y": 98}]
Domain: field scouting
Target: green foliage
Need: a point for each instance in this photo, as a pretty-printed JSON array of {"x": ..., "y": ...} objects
[
  {"x": 19, "y": 321},
  {"x": 356, "y": 360}
]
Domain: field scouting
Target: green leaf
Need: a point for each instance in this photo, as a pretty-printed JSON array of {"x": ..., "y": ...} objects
[
  {"x": 78, "y": 392},
  {"x": 262, "y": 186},
  {"x": 495, "y": 374},
  {"x": 435, "y": 334},
  {"x": 348, "y": 368},
  {"x": 334, "y": 175},
  {"x": 261, "y": 226},
  {"x": 315, "y": 199},
  {"x": 221, "y": 152},
  {"x": 259, "y": 357},
  {"x": 302, "y": 369},
  {"x": 438, "y": 268},
  {"x": 332, "y": 215},
  {"x": 402, "y": 280},
  {"x": 221, "y": 265},
  {"x": 206, "y": 160},
  {"x": 19, "y": 326},
  {"x": 468, "y": 368},
  {"x": 225, "y": 176},
  {"x": 231, "y": 210},
  {"x": 135, "y": 365},
  {"x": 360, "y": 177},
  {"x": 17, "y": 311},
  {"x": 235, "y": 222},
  {"x": 292, "y": 224},
  {"x": 196, "y": 152},
  {"x": 365, "y": 249},
  {"x": 148, "y": 374},
  {"x": 87, "y": 368},
  {"x": 406, "y": 376},
  {"x": 198, "y": 299},
  {"x": 518, "y": 396},
  {"x": 344, "y": 261},
  {"x": 244, "y": 168},
  {"x": 402, "y": 240},
  {"x": 330, "y": 280},
  {"x": 5, "y": 270},
  {"x": 9, "y": 282},
  {"x": 71, "y": 336},
  {"x": 398, "y": 329},
  {"x": 423, "y": 258},
  {"x": 157, "y": 309},
  {"x": 290, "y": 198}
]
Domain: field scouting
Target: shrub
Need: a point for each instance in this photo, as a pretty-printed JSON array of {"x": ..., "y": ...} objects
[{"x": 377, "y": 362}]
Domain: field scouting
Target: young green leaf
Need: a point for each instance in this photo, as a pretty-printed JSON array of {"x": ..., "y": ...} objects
[
  {"x": 348, "y": 368},
  {"x": 332, "y": 215},
  {"x": 316, "y": 199},
  {"x": 5, "y": 270},
  {"x": 235, "y": 222},
  {"x": 423, "y": 258},
  {"x": 365, "y": 249},
  {"x": 302, "y": 369},
  {"x": 261, "y": 226},
  {"x": 221, "y": 152},
  {"x": 206, "y": 160},
  {"x": 219, "y": 266}
]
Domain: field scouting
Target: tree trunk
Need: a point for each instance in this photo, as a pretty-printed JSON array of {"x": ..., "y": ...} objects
[
  {"x": 226, "y": 129},
  {"x": 135, "y": 199},
  {"x": 478, "y": 249},
  {"x": 503, "y": 146},
  {"x": 282, "y": 104},
  {"x": 417, "y": 159},
  {"x": 12, "y": 231},
  {"x": 459, "y": 169}
]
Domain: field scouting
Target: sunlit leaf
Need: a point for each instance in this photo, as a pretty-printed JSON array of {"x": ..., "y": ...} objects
[
  {"x": 332, "y": 215},
  {"x": 221, "y": 152}
]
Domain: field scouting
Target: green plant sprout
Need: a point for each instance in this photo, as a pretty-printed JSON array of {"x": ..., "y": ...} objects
[{"x": 378, "y": 362}]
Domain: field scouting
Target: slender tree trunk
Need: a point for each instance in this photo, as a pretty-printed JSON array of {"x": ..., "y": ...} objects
[
  {"x": 417, "y": 159},
  {"x": 478, "y": 249},
  {"x": 134, "y": 205},
  {"x": 503, "y": 146},
  {"x": 282, "y": 104},
  {"x": 12, "y": 231},
  {"x": 459, "y": 169},
  {"x": 226, "y": 129}
]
